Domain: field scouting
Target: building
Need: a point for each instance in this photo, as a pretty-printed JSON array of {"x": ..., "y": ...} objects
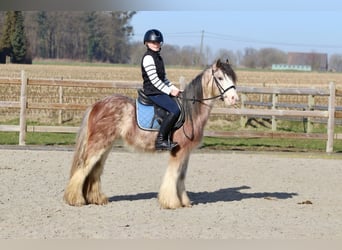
[
  {"x": 317, "y": 61},
  {"x": 292, "y": 67}
]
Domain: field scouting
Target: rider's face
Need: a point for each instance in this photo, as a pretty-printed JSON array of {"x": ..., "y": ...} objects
[{"x": 155, "y": 46}]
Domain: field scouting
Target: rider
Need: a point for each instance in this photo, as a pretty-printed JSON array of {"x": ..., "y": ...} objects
[{"x": 158, "y": 88}]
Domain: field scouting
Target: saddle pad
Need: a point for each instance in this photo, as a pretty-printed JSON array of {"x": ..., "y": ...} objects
[{"x": 145, "y": 114}]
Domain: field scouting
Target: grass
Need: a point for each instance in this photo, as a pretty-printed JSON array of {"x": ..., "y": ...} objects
[
  {"x": 268, "y": 144},
  {"x": 12, "y": 138},
  {"x": 218, "y": 124},
  {"x": 247, "y": 144}
]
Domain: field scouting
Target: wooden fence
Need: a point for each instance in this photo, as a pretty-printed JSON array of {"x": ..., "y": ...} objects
[{"x": 308, "y": 110}]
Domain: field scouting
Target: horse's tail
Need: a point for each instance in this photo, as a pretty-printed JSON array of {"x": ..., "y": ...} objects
[{"x": 81, "y": 144}]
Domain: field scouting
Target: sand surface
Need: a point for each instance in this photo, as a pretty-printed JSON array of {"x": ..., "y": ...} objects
[{"x": 236, "y": 196}]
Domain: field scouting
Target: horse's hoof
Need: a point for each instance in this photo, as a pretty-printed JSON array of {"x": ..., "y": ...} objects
[
  {"x": 101, "y": 200},
  {"x": 76, "y": 203},
  {"x": 189, "y": 205},
  {"x": 173, "y": 205}
]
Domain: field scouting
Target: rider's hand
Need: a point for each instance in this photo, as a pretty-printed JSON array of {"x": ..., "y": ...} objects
[{"x": 175, "y": 92}]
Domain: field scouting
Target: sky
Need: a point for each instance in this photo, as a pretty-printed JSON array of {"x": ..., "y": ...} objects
[
  {"x": 294, "y": 29},
  {"x": 288, "y": 25}
]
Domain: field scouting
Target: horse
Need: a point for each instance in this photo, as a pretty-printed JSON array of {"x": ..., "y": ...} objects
[{"x": 114, "y": 117}]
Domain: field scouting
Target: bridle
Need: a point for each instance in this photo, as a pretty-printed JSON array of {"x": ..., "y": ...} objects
[
  {"x": 218, "y": 85},
  {"x": 221, "y": 96},
  {"x": 220, "y": 88}
]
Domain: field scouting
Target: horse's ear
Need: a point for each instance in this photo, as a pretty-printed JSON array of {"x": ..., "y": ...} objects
[
  {"x": 218, "y": 63},
  {"x": 227, "y": 61}
]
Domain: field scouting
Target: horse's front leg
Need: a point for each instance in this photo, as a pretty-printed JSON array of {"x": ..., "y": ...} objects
[
  {"x": 172, "y": 192},
  {"x": 182, "y": 194}
]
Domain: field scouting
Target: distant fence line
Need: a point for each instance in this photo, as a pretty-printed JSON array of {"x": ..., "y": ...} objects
[{"x": 308, "y": 110}]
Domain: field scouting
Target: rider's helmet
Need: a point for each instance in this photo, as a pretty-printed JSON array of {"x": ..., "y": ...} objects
[{"x": 153, "y": 36}]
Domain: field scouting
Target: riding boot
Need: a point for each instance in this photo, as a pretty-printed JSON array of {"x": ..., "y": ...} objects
[{"x": 163, "y": 141}]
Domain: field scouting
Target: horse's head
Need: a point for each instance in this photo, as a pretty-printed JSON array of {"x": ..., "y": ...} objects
[{"x": 223, "y": 81}]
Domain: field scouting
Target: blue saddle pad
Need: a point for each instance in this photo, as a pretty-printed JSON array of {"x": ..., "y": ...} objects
[{"x": 145, "y": 114}]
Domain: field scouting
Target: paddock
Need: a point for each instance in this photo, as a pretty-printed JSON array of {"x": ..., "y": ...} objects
[{"x": 235, "y": 195}]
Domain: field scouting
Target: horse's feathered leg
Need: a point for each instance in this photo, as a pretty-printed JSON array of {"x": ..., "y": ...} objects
[
  {"x": 73, "y": 193},
  {"x": 181, "y": 183},
  {"x": 94, "y": 142},
  {"x": 172, "y": 192},
  {"x": 82, "y": 187},
  {"x": 92, "y": 185}
]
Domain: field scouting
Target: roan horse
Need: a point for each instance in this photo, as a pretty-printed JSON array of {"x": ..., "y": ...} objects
[{"x": 115, "y": 117}]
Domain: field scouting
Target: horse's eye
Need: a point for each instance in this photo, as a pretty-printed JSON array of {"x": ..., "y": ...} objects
[{"x": 220, "y": 78}]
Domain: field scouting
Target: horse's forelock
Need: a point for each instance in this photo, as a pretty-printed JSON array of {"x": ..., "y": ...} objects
[{"x": 227, "y": 69}]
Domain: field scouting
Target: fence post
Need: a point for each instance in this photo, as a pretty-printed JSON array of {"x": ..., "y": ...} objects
[
  {"x": 60, "y": 112},
  {"x": 331, "y": 118},
  {"x": 311, "y": 103},
  {"x": 23, "y": 105},
  {"x": 274, "y": 105},
  {"x": 182, "y": 83},
  {"x": 243, "y": 118}
]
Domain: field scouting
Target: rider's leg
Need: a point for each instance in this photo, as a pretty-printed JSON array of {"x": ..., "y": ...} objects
[
  {"x": 162, "y": 141},
  {"x": 166, "y": 128}
]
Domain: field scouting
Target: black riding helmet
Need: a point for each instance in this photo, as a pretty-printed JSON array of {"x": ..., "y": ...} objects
[{"x": 153, "y": 36}]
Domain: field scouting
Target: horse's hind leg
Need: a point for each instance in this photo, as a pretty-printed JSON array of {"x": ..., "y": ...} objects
[
  {"x": 74, "y": 193},
  {"x": 92, "y": 185}
]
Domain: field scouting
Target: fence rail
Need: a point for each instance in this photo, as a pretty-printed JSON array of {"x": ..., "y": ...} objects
[{"x": 329, "y": 112}]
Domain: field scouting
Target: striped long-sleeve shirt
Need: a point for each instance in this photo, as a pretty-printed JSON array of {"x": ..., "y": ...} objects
[{"x": 153, "y": 73}]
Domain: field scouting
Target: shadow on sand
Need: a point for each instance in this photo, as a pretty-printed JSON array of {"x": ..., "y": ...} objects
[{"x": 225, "y": 195}]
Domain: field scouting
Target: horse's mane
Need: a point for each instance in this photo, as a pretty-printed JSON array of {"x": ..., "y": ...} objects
[{"x": 194, "y": 90}]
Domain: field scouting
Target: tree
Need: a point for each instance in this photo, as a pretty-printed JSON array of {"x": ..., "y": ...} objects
[
  {"x": 170, "y": 54},
  {"x": 250, "y": 58},
  {"x": 136, "y": 51},
  {"x": 224, "y": 54},
  {"x": 42, "y": 32},
  {"x": 8, "y": 29},
  {"x": 188, "y": 56},
  {"x": 269, "y": 56},
  {"x": 13, "y": 41},
  {"x": 93, "y": 36},
  {"x": 18, "y": 39},
  {"x": 117, "y": 34},
  {"x": 335, "y": 62}
]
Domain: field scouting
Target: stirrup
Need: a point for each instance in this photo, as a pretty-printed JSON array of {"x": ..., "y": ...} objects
[{"x": 165, "y": 145}]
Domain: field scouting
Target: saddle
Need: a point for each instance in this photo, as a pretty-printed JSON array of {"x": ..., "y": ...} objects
[{"x": 150, "y": 116}]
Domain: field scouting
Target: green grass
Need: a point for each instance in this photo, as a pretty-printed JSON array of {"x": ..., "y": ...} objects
[
  {"x": 268, "y": 144},
  {"x": 253, "y": 144},
  {"x": 12, "y": 138}
]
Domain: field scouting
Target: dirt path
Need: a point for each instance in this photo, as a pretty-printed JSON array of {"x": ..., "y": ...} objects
[{"x": 235, "y": 195}]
